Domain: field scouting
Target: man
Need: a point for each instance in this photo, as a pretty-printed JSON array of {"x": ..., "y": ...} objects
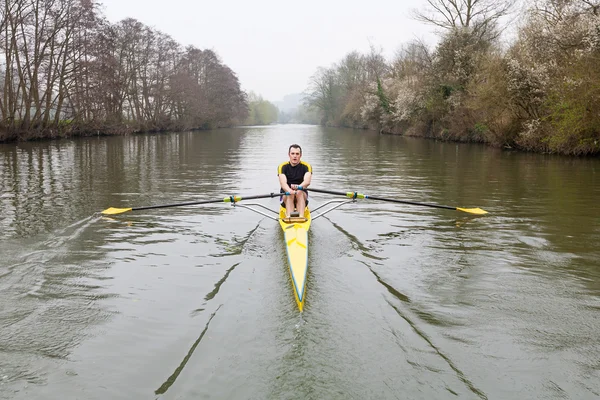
[{"x": 294, "y": 175}]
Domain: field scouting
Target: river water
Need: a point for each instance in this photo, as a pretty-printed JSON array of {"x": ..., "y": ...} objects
[{"x": 195, "y": 302}]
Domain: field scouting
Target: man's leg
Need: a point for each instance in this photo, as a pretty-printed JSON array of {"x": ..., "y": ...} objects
[
  {"x": 301, "y": 202},
  {"x": 289, "y": 205}
]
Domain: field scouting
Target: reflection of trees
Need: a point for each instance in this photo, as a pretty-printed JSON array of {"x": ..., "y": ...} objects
[{"x": 45, "y": 185}]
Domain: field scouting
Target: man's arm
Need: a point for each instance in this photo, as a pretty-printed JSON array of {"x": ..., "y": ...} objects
[
  {"x": 283, "y": 183},
  {"x": 306, "y": 181}
]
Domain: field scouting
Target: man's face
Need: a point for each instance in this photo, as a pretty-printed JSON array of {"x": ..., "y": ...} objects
[{"x": 295, "y": 155}]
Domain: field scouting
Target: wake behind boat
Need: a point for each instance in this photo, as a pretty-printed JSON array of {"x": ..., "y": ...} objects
[{"x": 295, "y": 228}]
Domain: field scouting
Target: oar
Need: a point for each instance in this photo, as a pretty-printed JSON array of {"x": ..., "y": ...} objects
[
  {"x": 355, "y": 195},
  {"x": 229, "y": 199}
]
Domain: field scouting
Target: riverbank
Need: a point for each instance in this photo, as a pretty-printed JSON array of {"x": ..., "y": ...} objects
[{"x": 99, "y": 130}]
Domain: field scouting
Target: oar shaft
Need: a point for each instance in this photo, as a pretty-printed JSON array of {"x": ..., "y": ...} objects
[
  {"x": 190, "y": 203},
  {"x": 327, "y": 191},
  {"x": 410, "y": 202},
  {"x": 229, "y": 199},
  {"x": 364, "y": 196}
]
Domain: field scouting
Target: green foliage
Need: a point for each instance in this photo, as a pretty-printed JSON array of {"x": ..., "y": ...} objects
[
  {"x": 445, "y": 91},
  {"x": 64, "y": 123},
  {"x": 480, "y": 128},
  {"x": 574, "y": 122},
  {"x": 383, "y": 100},
  {"x": 489, "y": 103},
  {"x": 261, "y": 112}
]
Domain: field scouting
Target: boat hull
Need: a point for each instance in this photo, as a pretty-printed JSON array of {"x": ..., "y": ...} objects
[{"x": 296, "y": 242}]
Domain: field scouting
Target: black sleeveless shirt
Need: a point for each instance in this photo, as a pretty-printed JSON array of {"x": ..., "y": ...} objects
[{"x": 294, "y": 174}]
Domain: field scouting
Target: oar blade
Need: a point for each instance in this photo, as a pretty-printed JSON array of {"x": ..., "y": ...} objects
[
  {"x": 476, "y": 211},
  {"x": 114, "y": 210}
]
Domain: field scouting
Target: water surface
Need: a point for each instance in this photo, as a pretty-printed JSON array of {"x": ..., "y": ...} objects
[{"x": 196, "y": 302}]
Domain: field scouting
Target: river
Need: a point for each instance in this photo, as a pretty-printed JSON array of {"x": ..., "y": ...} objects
[{"x": 195, "y": 302}]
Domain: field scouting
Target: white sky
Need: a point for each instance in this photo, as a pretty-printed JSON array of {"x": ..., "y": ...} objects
[{"x": 274, "y": 46}]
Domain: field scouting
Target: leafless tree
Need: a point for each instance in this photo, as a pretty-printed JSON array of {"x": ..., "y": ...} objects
[
  {"x": 480, "y": 16},
  {"x": 323, "y": 94},
  {"x": 64, "y": 69}
]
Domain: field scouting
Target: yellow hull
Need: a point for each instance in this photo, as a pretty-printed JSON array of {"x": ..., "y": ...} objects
[{"x": 296, "y": 243}]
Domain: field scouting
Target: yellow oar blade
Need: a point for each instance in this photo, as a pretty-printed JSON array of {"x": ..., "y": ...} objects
[
  {"x": 476, "y": 211},
  {"x": 113, "y": 211}
]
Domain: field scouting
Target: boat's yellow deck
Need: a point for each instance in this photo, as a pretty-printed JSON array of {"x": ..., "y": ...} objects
[{"x": 296, "y": 240}]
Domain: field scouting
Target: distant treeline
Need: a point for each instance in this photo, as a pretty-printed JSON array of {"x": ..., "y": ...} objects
[
  {"x": 539, "y": 93},
  {"x": 263, "y": 112},
  {"x": 65, "y": 70}
]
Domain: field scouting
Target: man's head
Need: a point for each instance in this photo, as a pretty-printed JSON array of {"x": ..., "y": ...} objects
[{"x": 295, "y": 152}]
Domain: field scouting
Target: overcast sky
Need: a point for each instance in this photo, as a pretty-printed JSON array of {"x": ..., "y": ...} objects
[{"x": 274, "y": 46}]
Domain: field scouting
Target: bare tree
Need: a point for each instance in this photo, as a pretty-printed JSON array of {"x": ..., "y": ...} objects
[
  {"x": 64, "y": 69},
  {"x": 480, "y": 16},
  {"x": 411, "y": 61},
  {"x": 323, "y": 94}
]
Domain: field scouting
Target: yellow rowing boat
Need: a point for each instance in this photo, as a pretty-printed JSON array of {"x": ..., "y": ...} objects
[{"x": 295, "y": 230}]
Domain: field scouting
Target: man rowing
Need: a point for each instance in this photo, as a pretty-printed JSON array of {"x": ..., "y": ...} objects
[{"x": 294, "y": 178}]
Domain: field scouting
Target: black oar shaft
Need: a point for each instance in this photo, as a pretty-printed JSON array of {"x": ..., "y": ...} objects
[
  {"x": 349, "y": 194},
  {"x": 327, "y": 191},
  {"x": 190, "y": 203},
  {"x": 410, "y": 202},
  {"x": 232, "y": 199}
]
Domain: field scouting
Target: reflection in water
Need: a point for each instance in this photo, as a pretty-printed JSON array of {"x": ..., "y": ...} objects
[
  {"x": 42, "y": 185},
  {"x": 402, "y": 300}
]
